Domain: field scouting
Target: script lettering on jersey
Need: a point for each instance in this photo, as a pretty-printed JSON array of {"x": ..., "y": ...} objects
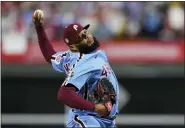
[
  {"x": 106, "y": 70},
  {"x": 66, "y": 66},
  {"x": 59, "y": 57},
  {"x": 70, "y": 71}
]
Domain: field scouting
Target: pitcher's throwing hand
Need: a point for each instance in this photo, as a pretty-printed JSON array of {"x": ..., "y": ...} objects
[{"x": 38, "y": 17}]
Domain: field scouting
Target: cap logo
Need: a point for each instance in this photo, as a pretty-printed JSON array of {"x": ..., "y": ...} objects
[
  {"x": 75, "y": 27},
  {"x": 66, "y": 40}
]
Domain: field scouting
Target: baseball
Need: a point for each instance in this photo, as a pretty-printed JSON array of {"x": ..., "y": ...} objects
[{"x": 38, "y": 13}]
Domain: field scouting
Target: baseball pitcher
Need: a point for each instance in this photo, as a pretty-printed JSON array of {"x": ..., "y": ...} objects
[{"x": 90, "y": 88}]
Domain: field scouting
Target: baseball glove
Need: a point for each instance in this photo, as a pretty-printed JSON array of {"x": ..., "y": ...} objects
[{"x": 104, "y": 94}]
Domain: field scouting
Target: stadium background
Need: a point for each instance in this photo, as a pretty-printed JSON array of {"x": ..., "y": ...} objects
[{"x": 144, "y": 42}]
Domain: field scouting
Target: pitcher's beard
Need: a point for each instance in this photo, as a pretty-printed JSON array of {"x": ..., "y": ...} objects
[{"x": 84, "y": 48}]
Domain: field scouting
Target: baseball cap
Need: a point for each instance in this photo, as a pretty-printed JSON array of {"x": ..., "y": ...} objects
[{"x": 72, "y": 31}]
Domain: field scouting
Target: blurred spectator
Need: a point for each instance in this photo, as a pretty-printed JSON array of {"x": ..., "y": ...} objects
[
  {"x": 176, "y": 18},
  {"x": 109, "y": 20}
]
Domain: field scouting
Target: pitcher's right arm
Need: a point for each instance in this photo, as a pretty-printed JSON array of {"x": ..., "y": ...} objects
[{"x": 45, "y": 46}]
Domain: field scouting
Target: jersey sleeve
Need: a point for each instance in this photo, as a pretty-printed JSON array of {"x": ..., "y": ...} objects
[{"x": 59, "y": 59}]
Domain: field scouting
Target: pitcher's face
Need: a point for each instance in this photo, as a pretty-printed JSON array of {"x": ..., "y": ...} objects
[{"x": 85, "y": 38}]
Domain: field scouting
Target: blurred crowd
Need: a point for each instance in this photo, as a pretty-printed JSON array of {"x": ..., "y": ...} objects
[{"x": 109, "y": 20}]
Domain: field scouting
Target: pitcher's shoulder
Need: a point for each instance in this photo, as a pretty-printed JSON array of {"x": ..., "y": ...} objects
[
  {"x": 98, "y": 59},
  {"x": 101, "y": 56}
]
